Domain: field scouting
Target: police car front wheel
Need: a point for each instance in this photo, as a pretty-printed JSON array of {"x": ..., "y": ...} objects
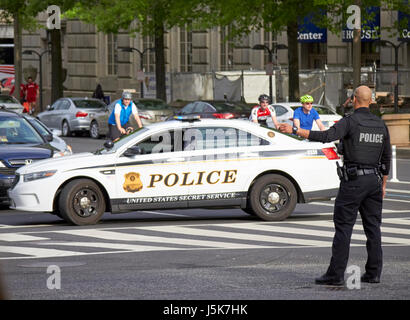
[
  {"x": 81, "y": 202},
  {"x": 273, "y": 197}
]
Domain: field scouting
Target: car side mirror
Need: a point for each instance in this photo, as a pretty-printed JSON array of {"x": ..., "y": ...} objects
[
  {"x": 49, "y": 137},
  {"x": 133, "y": 151},
  {"x": 49, "y": 108}
]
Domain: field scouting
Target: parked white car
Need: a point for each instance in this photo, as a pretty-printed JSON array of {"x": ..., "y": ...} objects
[
  {"x": 183, "y": 164},
  {"x": 284, "y": 113}
]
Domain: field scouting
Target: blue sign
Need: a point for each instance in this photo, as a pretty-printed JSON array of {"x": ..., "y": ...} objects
[
  {"x": 370, "y": 29},
  {"x": 309, "y": 32},
  {"x": 404, "y": 26}
]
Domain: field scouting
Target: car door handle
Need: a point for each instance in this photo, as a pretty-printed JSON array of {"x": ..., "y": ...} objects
[
  {"x": 249, "y": 155},
  {"x": 175, "y": 159}
]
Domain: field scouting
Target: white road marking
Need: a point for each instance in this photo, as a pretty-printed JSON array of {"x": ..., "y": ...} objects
[
  {"x": 37, "y": 252},
  {"x": 235, "y": 235},
  {"x": 402, "y": 241},
  {"x": 110, "y": 235},
  {"x": 166, "y": 214},
  {"x": 13, "y": 237},
  {"x": 397, "y": 190}
]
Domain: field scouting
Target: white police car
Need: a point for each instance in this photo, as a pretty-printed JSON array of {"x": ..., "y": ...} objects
[{"x": 182, "y": 164}]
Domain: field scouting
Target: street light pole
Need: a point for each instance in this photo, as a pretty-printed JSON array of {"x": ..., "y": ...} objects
[
  {"x": 270, "y": 60},
  {"x": 40, "y": 56},
  {"x": 396, "y": 69},
  {"x": 130, "y": 49}
]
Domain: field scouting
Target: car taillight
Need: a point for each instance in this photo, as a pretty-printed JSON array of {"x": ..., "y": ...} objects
[
  {"x": 81, "y": 114},
  {"x": 330, "y": 153},
  {"x": 144, "y": 116},
  {"x": 223, "y": 115}
]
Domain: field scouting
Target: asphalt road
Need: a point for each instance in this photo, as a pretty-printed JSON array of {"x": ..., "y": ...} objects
[{"x": 180, "y": 255}]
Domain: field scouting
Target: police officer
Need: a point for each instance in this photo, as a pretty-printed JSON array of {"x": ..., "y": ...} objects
[{"x": 367, "y": 157}]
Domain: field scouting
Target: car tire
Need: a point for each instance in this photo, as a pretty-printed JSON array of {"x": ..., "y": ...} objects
[
  {"x": 65, "y": 129},
  {"x": 94, "y": 130},
  {"x": 273, "y": 197},
  {"x": 81, "y": 202}
]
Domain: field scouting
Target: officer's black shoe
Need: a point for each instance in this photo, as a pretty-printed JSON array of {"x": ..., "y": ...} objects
[
  {"x": 327, "y": 280},
  {"x": 369, "y": 279}
]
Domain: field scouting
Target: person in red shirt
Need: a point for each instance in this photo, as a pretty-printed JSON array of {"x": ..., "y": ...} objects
[
  {"x": 32, "y": 93},
  {"x": 22, "y": 92}
]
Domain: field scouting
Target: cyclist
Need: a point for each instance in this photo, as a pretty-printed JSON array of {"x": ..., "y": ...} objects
[
  {"x": 264, "y": 113},
  {"x": 119, "y": 117},
  {"x": 304, "y": 116}
]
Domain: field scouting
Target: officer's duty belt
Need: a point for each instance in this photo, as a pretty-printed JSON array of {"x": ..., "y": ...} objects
[{"x": 363, "y": 172}]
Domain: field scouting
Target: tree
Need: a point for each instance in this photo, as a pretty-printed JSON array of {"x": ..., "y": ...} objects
[
  {"x": 147, "y": 17},
  {"x": 276, "y": 16}
]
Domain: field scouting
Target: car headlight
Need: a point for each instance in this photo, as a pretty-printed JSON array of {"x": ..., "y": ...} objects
[
  {"x": 38, "y": 175},
  {"x": 66, "y": 152},
  {"x": 2, "y": 165}
]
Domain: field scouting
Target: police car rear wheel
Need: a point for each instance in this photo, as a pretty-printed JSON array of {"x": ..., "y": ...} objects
[
  {"x": 81, "y": 202},
  {"x": 273, "y": 197}
]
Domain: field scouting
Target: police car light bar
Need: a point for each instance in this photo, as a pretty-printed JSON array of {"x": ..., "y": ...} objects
[{"x": 187, "y": 118}]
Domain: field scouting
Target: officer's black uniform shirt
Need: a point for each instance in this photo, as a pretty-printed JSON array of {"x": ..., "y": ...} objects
[{"x": 344, "y": 129}]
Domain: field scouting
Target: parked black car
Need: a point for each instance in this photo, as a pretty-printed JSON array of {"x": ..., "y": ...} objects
[{"x": 20, "y": 144}]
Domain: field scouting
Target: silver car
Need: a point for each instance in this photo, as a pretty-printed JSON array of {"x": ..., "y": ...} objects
[
  {"x": 11, "y": 103},
  {"x": 149, "y": 110},
  {"x": 72, "y": 114},
  {"x": 284, "y": 113}
]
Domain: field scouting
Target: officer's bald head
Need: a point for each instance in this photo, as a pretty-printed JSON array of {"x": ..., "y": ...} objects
[{"x": 363, "y": 96}]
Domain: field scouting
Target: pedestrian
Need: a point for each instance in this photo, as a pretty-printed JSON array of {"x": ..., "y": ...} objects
[
  {"x": 22, "y": 92},
  {"x": 304, "y": 116},
  {"x": 98, "y": 93},
  {"x": 118, "y": 120},
  {"x": 264, "y": 113},
  {"x": 32, "y": 92},
  {"x": 367, "y": 157}
]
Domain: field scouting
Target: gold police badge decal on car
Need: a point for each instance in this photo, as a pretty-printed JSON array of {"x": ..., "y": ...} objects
[{"x": 132, "y": 182}]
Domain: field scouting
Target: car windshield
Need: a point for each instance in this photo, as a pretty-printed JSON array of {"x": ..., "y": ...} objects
[
  {"x": 89, "y": 104},
  {"x": 151, "y": 105},
  {"x": 324, "y": 110},
  {"x": 40, "y": 128},
  {"x": 7, "y": 99},
  {"x": 124, "y": 140},
  {"x": 230, "y": 107},
  {"x": 15, "y": 130}
]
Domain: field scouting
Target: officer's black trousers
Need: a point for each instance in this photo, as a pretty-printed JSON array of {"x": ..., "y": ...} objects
[{"x": 363, "y": 194}]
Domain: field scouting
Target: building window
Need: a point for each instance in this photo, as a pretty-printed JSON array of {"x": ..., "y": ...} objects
[
  {"x": 226, "y": 51},
  {"x": 149, "y": 56},
  {"x": 112, "y": 54},
  {"x": 269, "y": 40},
  {"x": 317, "y": 53},
  {"x": 185, "y": 37},
  {"x": 370, "y": 54}
]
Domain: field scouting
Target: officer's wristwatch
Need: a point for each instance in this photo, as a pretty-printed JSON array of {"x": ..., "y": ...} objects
[{"x": 294, "y": 129}]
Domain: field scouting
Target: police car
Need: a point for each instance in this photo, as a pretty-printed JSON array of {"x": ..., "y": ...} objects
[{"x": 182, "y": 164}]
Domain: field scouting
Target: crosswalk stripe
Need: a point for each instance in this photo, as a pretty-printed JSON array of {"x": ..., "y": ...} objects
[
  {"x": 110, "y": 235},
  {"x": 37, "y": 252},
  {"x": 236, "y": 235},
  {"x": 13, "y": 237},
  {"x": 117, "y": 246},
  {"x": 397, "y": 221},
  {"x": 402, "y": 241},
  {"x": 397, "y": 190}
]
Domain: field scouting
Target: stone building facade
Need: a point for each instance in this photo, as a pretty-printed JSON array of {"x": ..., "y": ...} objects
[{"x": 91, "y": 57}]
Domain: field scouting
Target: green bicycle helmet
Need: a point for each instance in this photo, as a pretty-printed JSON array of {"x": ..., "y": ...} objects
[{"x": 306, "y": 98}]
